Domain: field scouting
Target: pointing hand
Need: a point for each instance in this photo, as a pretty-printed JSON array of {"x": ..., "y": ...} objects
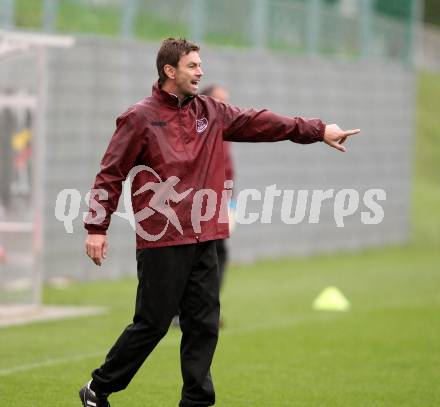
[{"x": 334, "y": 136}]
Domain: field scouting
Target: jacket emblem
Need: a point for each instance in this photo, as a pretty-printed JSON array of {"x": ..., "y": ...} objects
[{"x": 201, "y": 125}]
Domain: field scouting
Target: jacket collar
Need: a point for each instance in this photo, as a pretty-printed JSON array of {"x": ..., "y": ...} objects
[{"x": 168, "y": 98}]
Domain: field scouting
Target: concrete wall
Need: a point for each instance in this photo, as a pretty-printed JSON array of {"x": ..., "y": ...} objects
[{"x": 97, "y": 79}]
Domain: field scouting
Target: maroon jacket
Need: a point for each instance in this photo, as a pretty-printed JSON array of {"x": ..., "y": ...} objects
[{"x": 183, "y": 141}]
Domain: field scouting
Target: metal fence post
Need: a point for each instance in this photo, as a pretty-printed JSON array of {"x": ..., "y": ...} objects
[
  {"x": 50, "y": 8},
  {"x": 7, "y": 18},
  {"x": 129, "y": 10},
  {"x": 197, "y": 22},
  {"x": 313, "y": 26},
  {"x": 260, "y": 24},
  {"x": 365, "y": 27}
]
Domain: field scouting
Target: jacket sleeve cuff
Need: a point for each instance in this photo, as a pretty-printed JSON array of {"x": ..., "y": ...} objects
[
  {"x": 93, "y": 231},
  {"x": 321, "y": 131}
]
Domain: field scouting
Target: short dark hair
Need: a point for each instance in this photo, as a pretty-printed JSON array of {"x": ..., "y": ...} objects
[{"x": 170, "y": 52}]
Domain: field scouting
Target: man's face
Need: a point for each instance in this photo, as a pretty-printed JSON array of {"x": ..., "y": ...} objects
[{"x": 188, "y": 74}]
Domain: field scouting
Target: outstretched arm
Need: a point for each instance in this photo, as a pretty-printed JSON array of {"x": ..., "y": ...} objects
[{"x": 249, "y": 125}]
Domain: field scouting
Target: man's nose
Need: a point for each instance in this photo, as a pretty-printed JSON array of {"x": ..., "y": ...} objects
[{"x": 200, "y": 72}]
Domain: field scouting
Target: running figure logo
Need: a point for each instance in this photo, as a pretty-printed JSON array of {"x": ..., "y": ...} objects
[{"x": 163, "y": 193}]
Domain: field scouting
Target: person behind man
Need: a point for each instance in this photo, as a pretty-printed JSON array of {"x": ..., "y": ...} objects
[
  {"x": 177, "y": 133},
  {"x": 222, "y": 95}
]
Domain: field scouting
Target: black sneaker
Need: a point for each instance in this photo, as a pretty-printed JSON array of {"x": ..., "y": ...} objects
[{"x": 90, "y": 399}]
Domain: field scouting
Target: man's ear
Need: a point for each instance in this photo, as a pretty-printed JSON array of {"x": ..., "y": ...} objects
[{"x": 170, "y": 71}]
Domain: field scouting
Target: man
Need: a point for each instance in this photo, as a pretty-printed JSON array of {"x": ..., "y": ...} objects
[{"x": 177, "y": 133}]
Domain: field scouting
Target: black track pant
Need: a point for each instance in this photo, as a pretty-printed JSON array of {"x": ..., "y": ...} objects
[{"x": 181, "y": 277}]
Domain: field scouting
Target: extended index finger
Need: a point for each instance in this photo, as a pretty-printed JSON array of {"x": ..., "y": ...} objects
[{"x": 351, "y": 132}]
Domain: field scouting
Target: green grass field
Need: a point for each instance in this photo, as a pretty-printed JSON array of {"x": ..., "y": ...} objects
[{"x": 275, "y": 351}]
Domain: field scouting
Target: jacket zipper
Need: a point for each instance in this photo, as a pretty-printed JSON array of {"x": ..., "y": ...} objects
[{"x": 179, "y": 104}]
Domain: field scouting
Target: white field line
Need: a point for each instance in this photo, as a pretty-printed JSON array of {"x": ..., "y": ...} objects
[
  {"x": 299, "y": 319},
  {"x": 48, "y": 362}
]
